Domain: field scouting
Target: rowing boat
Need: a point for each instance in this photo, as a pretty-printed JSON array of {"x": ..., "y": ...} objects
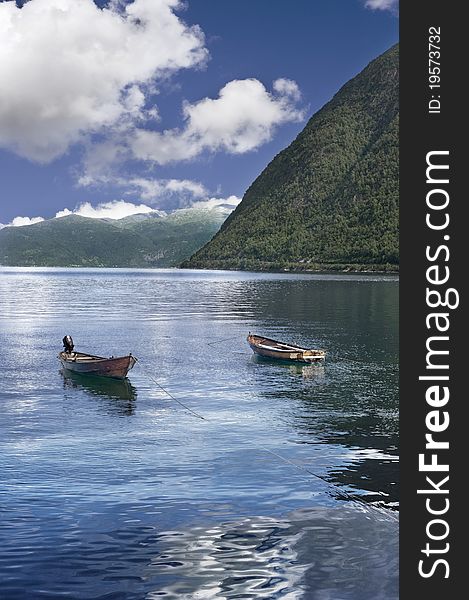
[
  {"x": 88, "y": 364},
  {"x": 269, "y": 348}
]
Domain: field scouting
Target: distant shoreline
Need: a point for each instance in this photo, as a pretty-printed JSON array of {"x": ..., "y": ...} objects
[{"x": 292, "y": 271}]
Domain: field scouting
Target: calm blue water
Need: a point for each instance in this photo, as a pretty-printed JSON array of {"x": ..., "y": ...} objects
[{"x": 287, "y": 489}]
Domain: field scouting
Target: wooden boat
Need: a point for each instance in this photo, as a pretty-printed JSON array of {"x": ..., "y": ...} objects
[
  {"x": 87, "y": 364},
  {"x": 279, "y": 350}
]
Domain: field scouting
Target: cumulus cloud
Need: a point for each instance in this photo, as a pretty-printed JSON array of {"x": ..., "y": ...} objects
[
  {"x": 69, "y": 68},
  {"x": 116, "y": 209},
  {"x": 287, "y": 87},
  {"x": 21, "y": 221},
  {"x": 152, "y": 189},
  {"x": 100, "y": 161},
  {"x": 148, "y": 189},
  {"x": 174, "y": 194},
  {"x": 73, "y": 72},
  {"x": 391, "y": 5},
  {"x": 227, "y": 204},
  {"x": 240, "y": 119}
]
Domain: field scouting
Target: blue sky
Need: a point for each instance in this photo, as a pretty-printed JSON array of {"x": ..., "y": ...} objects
[{"x": 157, "y": 104}]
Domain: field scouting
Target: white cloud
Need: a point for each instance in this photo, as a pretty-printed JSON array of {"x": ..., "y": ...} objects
[
  {"x": 228, "y": 204},
  {"x": 21, "y": 221},
  {"x": 69, "y": 68},
  {"x": 116, "y": 209},
  {"x": 195, "y": 188},
  {"x": 75, "y": 73},
  {"x": 391, "y": 5},
  {"x": 151, "y": 189},
  {"x": 99, "y": 162},
  {"x": 288, "y": 87},
  {"x": 147, "y": 189},
  {"x": 243, "y": 117},
  {"x": 170, "y": 195}
]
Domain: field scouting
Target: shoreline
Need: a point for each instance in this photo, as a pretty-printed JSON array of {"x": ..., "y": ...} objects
[{"x": 285, "y": 270}]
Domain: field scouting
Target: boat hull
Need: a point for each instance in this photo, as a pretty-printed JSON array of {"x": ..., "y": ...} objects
[
  {"x": 265, "y": 347},
  {"x": 116, "y": 368}
]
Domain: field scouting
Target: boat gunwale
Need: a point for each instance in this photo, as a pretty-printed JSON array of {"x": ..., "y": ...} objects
[{"x": 92, "y": 359}]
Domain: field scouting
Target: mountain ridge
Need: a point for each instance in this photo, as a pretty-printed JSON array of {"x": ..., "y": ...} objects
[{"x": 146, "y": 240}]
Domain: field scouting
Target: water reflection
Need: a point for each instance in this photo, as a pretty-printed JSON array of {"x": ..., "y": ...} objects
[
  {"x": 359, "y": 413},
  {"x": 345, "y": 412},
  {"x": 121, "y": 392},
  {"x": 250, "y": 558},
  {"x": 306, "y": 371},
  {"x": 166, "y": 505},
  {"x": 264, "y": 557}
]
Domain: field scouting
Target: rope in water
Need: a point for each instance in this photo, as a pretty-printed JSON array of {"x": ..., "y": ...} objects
[
  {"x": 338, "y": 491},
  {"x": 148, "y": 374},
  {"x": 233, "y": 337}
]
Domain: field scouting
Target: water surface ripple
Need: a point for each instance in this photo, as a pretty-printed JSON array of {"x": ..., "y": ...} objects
[{"x": 112, "y": 490}]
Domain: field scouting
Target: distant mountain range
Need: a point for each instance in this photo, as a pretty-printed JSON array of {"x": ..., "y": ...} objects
[
  {"x": 144, "y": 240},
  {"x": 330, "y": 200}
]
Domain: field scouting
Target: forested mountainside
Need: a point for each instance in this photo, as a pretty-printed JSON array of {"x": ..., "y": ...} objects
[{"x": 330, "y": 200}]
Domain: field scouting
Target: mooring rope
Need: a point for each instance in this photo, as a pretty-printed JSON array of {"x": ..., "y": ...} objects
[
  {"x": 233, "y": 337},
  {"x": 148, "y": 374},
  {"x": 337, "y": 490}
]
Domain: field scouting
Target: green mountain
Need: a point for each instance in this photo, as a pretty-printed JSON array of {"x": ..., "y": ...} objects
[
  {"x": 147, "y": 240},
  {"x": 329, "y": 200}
]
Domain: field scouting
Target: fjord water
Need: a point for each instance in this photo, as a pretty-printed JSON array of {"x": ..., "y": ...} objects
[{"x": 288, "y": 488}]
